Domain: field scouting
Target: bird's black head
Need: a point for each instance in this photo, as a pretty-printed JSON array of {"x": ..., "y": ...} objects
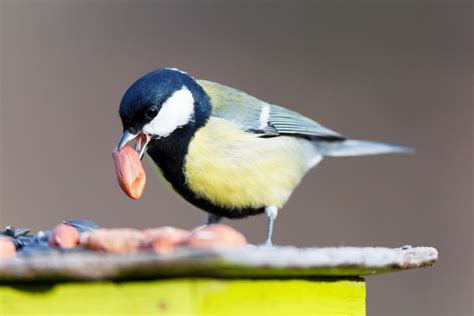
[{"x": 160, "y": 103}]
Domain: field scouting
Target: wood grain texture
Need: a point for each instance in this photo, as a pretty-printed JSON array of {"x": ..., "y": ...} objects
[{"x": 204, "y": 297}]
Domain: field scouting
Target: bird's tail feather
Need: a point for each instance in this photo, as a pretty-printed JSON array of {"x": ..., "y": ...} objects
[{"x": 352, "y": 147}]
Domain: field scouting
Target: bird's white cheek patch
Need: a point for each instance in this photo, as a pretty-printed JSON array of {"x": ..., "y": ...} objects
[{"x": 175, "y": 112}]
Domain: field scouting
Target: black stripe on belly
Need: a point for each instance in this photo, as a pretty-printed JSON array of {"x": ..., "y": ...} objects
[{"x": 168, "y": 153}]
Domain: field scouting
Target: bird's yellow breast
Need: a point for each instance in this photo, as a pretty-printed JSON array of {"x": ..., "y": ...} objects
[{"x": 235, "y": 169}]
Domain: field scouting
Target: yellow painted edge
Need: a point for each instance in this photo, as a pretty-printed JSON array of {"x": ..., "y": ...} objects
[
  {"x": 277, "y": 297},
  {"x": 204, "y": 297}
]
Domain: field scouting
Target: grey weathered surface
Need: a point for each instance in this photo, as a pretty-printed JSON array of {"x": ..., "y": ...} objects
[{"x": 250, "y": 262}]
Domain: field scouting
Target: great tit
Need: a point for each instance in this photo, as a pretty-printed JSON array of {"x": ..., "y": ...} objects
[{"x": 223, "y": 150}]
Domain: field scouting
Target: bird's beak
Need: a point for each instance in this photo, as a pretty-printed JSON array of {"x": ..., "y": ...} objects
[
  {"x": 125, "y": 139},
  {"x": 142, "y": 140}
]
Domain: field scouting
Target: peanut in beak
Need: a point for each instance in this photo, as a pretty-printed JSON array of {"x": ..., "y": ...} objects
[{"x": 130, "y": 174}]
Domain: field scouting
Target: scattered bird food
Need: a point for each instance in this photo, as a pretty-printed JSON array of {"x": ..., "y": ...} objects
[
  {"x": 64, "y": 236},
  {"x": 166, "y": 239},
  {"x": 215, "y": 235},
  {"x": 7, "y": 247},
  {"x": 119, "y": 240},
  {"x": 85, "y": 235}
]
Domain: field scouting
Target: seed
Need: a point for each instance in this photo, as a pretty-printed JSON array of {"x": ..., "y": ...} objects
[
  {"x": 118, "y": 240},
  {"x": 7, "y": 247},
  {"x": 165, "y": 239},
  {"x": 64, "y": 236},
  {"x": 217, "y": 235}
]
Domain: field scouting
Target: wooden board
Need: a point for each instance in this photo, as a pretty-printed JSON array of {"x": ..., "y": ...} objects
[
  {"x": 204, "y": 297},
  {"x": 249, "y": 262}
]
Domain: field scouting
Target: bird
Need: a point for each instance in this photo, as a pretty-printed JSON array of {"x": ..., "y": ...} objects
[{"x": 224, "y": 151}]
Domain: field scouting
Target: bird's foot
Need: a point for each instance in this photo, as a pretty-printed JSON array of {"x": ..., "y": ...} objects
[
  {"x": 268, "y": 243},
  {"x": 198, "y": 228}
]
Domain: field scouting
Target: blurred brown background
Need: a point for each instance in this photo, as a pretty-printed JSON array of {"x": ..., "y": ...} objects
[{"x": 397, "y": 71}]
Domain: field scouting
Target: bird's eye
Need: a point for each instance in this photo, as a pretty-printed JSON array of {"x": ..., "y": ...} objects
[{"x": 152, "y": 111}]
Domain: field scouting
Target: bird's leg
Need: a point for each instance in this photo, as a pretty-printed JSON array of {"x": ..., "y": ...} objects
[
  {"x": 271, "y": 212},
  {"x": 212, "y": 219}
]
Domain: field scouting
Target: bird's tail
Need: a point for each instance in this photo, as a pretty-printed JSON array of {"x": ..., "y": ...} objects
[{"x": 351, "y": 147}]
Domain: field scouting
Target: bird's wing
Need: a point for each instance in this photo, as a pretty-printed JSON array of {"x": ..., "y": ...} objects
[{"x": 260, "y": 117}]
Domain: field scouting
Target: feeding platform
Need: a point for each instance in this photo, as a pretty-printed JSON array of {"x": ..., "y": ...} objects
[{"x": 248, "y": 281}]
